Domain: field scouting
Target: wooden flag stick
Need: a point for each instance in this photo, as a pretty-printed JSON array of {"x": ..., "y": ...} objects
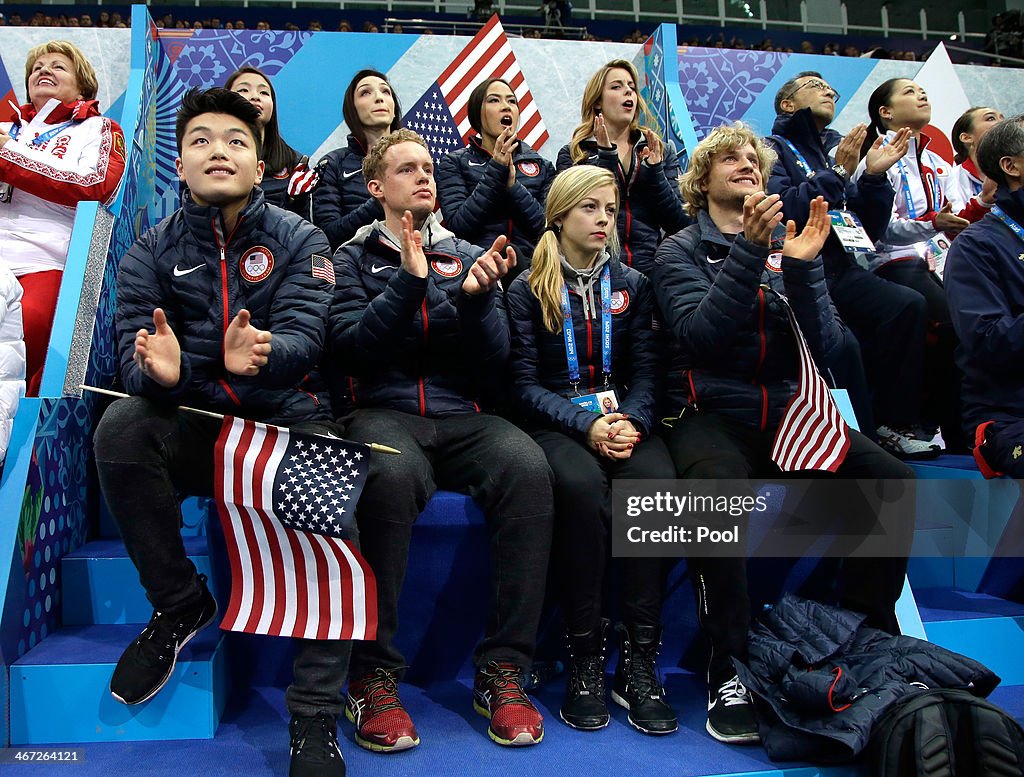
[{"x": 374, "y": 446}]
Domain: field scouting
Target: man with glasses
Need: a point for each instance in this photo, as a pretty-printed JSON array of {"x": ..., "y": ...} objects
[{"x": 889, "y": 323}]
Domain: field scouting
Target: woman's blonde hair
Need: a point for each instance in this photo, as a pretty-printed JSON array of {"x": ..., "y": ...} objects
[
  {"x": 568, "y": 189},
  {"x": 85, "y": 75},
  {"x": 592, "y": 96},
  {"x": 727, "y": 137}
]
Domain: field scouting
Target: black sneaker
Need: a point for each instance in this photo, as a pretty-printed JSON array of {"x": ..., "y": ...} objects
[
  {"x": 147, "y": 663},
  {"x": 731, "y": 716},
  {"x": 314, "y": 747}
]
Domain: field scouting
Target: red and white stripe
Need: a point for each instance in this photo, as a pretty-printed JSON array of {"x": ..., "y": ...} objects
[
  {"x": 284, "y": 582},
  {"x": 303, "y": 179},
  {"x": 489, "y": 55},
  {"x": 812, "y": 434}
]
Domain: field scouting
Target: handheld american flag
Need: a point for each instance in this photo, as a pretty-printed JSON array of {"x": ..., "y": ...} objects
[
  {"x": 812, "y": 433},
  {"x": 287, "y": 501},
  {"x": 441, "y": 115}
]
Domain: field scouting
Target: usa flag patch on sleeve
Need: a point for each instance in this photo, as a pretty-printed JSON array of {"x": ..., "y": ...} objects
[{"x": 323, "y": 268}]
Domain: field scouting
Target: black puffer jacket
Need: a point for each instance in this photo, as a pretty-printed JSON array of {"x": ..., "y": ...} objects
[
  {"x": 201, "y": 279},
  {"x": 650, "y": 203},
  {"x": 418, "y": 345},
  {"x": 478, "y": 205},
  {"x": 539, "y": 368},
  {"x": 736, "y": 353},
  {"x": 341, "y": 203},
  {"x": 826, "y": 678},
  {"x": 870, "y": 197}
]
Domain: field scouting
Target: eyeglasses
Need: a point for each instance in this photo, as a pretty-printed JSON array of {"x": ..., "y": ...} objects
[{"x": 821, "y": 86}]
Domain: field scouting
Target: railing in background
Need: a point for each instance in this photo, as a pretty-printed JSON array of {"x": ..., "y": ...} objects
[{"x": 590, "y": 9}]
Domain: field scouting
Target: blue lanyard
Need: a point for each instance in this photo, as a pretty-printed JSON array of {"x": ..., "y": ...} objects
[
  {"x": 571, "y": 354},
  {"x": 799, "y": 157},
  {"x": 39, "y": 140},
  {"x": 1016, "y": 228},
  {"x": 908, "y": 197}
]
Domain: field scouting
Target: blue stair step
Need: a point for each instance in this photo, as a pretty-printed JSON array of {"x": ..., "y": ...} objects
[
  {"x": 101, "y": 586},
  {"x": 60, "y": 690},
  {"x": 986, "y": 628},
  {"x": 946, "y": 466}
]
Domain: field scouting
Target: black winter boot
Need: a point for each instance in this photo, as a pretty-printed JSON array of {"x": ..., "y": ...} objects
[
  {"x": 584, "y": 707},
  {"x": 636, "y": 686}
]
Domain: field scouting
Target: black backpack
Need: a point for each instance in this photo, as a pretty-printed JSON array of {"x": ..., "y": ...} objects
[{"x": 945, "y": 733}]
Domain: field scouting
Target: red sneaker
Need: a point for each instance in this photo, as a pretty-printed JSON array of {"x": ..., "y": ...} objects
[
  {"x": 498, "y": 695},
  {"x": 382, "y": 724}
]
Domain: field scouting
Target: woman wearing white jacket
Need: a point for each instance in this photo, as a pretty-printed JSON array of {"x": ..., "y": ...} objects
[
  {"x": 924, "y": 221},
  {"x": 12, "y": 356}
]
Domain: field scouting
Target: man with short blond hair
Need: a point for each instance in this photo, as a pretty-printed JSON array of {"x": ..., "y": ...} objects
[{"x": 418, "y": 319}]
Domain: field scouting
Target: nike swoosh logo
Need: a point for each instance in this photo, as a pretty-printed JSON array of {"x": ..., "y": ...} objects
[
  {"x": 178, "y": 272},
  {"x": 375, "y": 269},
  {"x": 477, "y": 164},
  {"x": 349, "y": 175}
]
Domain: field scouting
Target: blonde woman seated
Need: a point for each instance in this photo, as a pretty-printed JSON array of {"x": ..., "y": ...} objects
[{"x": 584, "y": 357}]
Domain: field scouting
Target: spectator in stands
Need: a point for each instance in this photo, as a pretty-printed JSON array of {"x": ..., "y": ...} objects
[
  {"x": 921, "y": 213},
  {"x": 344, "y": 26},
  {"x": 174, "y": 351},
  {"x": 315, "y": 26},
  {"x": 986, "y": 295},
  {"x": 104, "y": 19},
  {"x": 341, "y": 202},
  {"x": 12, "y": 356},
  {"x": 561, "y": 408},
  {"x": 400, "y": 277},
  {"x": 287, "y": 179},
  {"x": 889, "y": 320},
  {"x": 720, "y": 285},
  {"x": 57, "y": 152},
  {"x": 497, "y": 184},
  {"x": 967, "y": 184},
  {"x": 262, "y": 25},
  {"x": 369, "y": 26},
  {"x": 610, "y": 135},
  {"x": 239, "y": 24}
]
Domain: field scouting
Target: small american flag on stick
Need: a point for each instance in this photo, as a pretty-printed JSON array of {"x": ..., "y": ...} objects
[{"x": 287, "y": 501}]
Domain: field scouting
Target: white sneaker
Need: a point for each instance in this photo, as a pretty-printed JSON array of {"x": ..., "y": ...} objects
[{"x": 902, "y": 444}]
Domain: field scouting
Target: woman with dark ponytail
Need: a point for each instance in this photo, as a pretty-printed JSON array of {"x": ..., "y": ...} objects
[
  {"x": 341, "y": 202},
  {"x": 584, "y": 357},
  {"x": 496, "y": 184},
  {"x": 922, "y": 215},
  {"x": 968, "y": 186},
  {"x": 286, "y": 178}
]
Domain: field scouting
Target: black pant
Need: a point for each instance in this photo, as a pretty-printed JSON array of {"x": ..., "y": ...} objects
[
  {"x": 583, "y": 514},
  {"x": 890, "y": 322},
  {"x": 504, "y": 471},
  {"x": 147, "y": 454},
  {"x": 707, "y": 445},
  {"x": 941, "y": 387}
]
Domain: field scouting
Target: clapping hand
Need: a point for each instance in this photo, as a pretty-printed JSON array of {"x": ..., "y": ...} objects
[
  {"x": 881, "y": 156},
  {"x": 761, "y": 214},
  {"x": 246, "y": 348},
  {"x": 490, "y": 267},
  {"x": 158, "y": 355},
  {"x": 808, "y": 243}
]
